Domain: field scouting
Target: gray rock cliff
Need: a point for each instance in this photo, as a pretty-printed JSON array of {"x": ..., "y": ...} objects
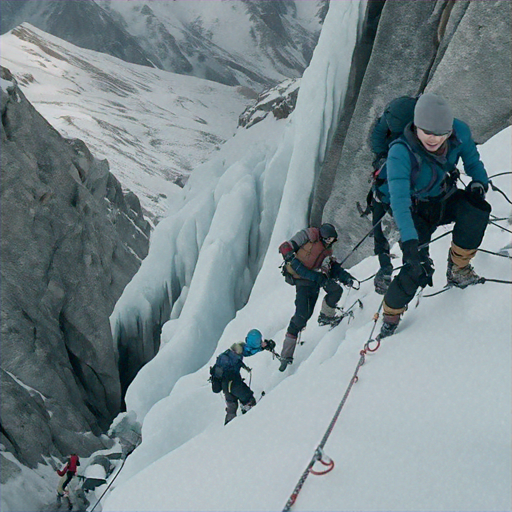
[
  {"x": 461, "y": 50},
  {"x": 71, "y": 241}
]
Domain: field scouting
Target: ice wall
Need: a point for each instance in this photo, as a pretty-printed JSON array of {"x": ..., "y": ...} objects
[{"x": 205, "y": 257}]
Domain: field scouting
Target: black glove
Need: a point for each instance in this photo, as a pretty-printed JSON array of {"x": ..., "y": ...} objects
[
  {"x": 420, "y": 271},
  {"x": 348, "y": 280},
  {"x": 411, "y": 257},
  {"x": 330, "y": 283},
  {"x": 270, "y": 345},
  {"x": 428, "y": 271},
  {"x": 339, "y": 273},
  {"x": 477, "y": 190},
  {"x": 321, "y": 279}
]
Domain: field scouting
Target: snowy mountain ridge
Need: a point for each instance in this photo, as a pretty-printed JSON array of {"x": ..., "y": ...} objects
[
  {"x": 113, "y": 106},
  {"x": 234, "y": 42}
]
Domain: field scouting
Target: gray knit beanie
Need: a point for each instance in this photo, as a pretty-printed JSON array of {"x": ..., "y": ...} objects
[{"x": 433, "y": 114}]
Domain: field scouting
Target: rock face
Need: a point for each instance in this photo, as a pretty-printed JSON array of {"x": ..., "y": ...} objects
[
  {"x": 461, "y": 50},
  {"x": 71, "y": 241}
]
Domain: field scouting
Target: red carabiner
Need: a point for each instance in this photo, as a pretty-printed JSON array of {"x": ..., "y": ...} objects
[
  {"x": 377, "y": 341},
  {"x": 330, "y": 466}
]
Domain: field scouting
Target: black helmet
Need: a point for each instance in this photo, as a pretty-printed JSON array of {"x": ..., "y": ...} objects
[{"x": 327, "y": 231}]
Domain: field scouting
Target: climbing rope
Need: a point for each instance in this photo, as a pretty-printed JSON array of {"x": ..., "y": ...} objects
[
  {"x": 319, "y": 455},
  {"x": 498, "y": 226},
  {"x": 500, "y": 174},
  {"x": 113, "y": 479}
]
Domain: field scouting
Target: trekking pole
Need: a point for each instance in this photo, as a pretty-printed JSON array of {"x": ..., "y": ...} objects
[
  {"x": 496, "y": 189},
  {"x": 498, "y": 226},
  {"x": 499, "y": 219},
  {"x": 487, "y": 280},
  {"x": 426, "y": 244},
  {"x": 361, "y": 241},
  {"x": 496, "y": 254},
  {"x": 500, "y": 174}
]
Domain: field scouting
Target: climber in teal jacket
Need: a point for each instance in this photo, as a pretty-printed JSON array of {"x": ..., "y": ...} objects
[
  {"x": 422, "y": 177},
  {"x": 432, "y": 178}
]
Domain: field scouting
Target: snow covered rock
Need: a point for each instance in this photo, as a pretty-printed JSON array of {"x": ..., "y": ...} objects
[
  {"x": 71, "y": 241},
  {"x": 127, "y": 430},
  {"x": 280, "y": 100}
]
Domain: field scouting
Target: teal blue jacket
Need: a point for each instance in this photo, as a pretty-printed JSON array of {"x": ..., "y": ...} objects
[{"x": 429, "y": 176}]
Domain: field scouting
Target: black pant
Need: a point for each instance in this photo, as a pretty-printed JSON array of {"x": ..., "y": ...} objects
[
  {"x": 470, "y": 217},
  {"x": 380, "y": 242},
  {"x": 305, "y": 299},
  {"x": 235, "y": 389}
]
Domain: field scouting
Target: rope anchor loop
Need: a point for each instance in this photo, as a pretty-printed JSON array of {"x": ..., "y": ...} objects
[
  {"x": 372, "y": 345},
  {"x": 329, "y": 463}
]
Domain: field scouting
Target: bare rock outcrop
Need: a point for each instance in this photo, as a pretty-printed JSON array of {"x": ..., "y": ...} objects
[{"x": 71, "y": 241}]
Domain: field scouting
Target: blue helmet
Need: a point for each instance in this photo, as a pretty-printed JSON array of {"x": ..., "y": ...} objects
[{"x": 253, "y": 339}]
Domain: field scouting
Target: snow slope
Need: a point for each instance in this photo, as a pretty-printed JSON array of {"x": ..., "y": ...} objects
[
  {"x": 426, "y": 427},
  {"x": 154, "y": 127}
]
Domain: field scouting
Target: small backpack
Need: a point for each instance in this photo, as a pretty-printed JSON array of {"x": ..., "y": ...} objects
[
  {"x": 227, "y": 365},
  {"x": 215, "y": 380}
]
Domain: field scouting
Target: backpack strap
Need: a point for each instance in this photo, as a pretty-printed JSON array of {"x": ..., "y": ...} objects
[{"x": 416, "y": 162}]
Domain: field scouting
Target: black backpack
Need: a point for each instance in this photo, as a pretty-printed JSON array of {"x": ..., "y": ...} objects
[
  {"x": 216, "y": 378},
  {"x": 226, "y": 366},
  {"x": 386, "y": 130},
  {"x": 391, "y": 124},
  {"x": 396, "y": 116}
]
